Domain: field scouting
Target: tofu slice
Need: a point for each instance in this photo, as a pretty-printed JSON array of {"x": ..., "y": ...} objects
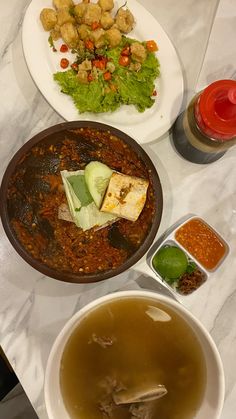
[{"x": 125, "y": 196}]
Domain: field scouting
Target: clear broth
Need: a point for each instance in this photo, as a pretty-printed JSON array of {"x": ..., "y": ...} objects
[{"x": 129, "y": 343}]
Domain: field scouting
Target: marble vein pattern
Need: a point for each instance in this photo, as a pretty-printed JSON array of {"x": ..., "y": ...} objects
[
  {"x": 33, "y": 308},
  {"x": 220, "y": 58}
]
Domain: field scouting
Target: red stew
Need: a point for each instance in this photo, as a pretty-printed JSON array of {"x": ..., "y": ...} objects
[{"x": 36, "y": 191}]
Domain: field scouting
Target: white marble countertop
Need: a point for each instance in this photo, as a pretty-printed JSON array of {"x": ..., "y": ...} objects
[{"x": 33, "y": 308}]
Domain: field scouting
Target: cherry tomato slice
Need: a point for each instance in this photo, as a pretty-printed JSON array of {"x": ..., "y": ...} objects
[
  {"x": 151, "y": 46},
  {"x": 101, "y": 64},
  {"x": 124, "y": 60},
  {"x": 126, "y": 51}
]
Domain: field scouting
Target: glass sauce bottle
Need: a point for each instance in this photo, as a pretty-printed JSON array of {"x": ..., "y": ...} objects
[{"x": 204, "y": 132}]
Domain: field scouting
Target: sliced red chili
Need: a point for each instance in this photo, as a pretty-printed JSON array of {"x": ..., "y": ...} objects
[
  {"x": 74, "y": 66},
  {"x": 95, "y": 25},
  {"x": 90, "y": 77},
  {"x": 64, "y": 48},
  {"x": 89, "y": 44},
  {"x": 64, "y": 63},
  {"x": 107, "y": 76}
]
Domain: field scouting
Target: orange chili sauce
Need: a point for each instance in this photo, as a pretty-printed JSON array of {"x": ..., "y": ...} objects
[{"x": 202, "y": 242}]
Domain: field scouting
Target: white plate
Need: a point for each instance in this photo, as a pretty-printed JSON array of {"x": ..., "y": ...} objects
[{"x": 144, "y": 127}]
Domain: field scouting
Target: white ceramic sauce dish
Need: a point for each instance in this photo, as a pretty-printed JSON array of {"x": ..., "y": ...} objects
[{"x": 170, "y": 240}]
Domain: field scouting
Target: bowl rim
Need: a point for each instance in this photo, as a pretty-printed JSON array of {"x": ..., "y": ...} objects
[
  {"x": 73, "y": 322},
  {"x": 69, "y": 276}
]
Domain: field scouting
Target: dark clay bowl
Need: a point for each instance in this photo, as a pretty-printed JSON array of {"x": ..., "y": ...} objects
[{"x": 30, "y": 185}]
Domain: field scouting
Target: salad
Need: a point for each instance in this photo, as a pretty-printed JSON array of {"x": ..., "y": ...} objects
[{"x": 108, "y": 69}]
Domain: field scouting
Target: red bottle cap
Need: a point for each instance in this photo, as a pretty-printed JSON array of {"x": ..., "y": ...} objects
[{"x": 215, "y": 110}]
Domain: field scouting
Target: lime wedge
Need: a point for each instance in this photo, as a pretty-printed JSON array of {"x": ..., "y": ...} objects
[{"x": 170, "y": 262}]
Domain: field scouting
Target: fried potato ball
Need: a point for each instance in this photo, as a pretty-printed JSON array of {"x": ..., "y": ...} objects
[
  {"x": 79, "y": 11},
  {"x": 113, "y": 36},
  {"x": 84, "y": 31},
  {"x": 93, "y": 14},
  {"x": 55, "y": 33},
  {"x": 85, "y": 65},
  {"x": 98, "y": 37},
  {"x": 64, "y": 16},
  {"x": 69, "y": 34},
  {"x": 125, "y": 20},
  {"x": 59, "y": 4},
  {"x": 106, "y": 20},
  {"x": 48, "y": 18},
  {"x": 106, "y": 5},
  {"x": 138, "y": 52}
]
